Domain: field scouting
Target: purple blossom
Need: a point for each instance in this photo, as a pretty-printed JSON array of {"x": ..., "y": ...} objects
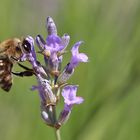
[
  {"x": 75, "y": 60},
  {"x": 76, "y": 57},
  {"x": 69, "y": 95},
  {"x": 65, "y": 41},
  {"x": 41, "y": 93},
  {"x": 53, "y": 42},
  {"x": 45, "y": 91},
  {"x": 53, "y": 47}
]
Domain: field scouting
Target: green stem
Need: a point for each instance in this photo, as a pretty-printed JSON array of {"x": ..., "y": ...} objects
[{"x": 57, "y": 133}]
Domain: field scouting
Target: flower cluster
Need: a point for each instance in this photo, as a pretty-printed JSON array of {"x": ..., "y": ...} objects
[{"x": 52, "y": 80}]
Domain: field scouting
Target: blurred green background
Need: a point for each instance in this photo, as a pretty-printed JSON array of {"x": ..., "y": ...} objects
[{"x": 109, "y": 83}]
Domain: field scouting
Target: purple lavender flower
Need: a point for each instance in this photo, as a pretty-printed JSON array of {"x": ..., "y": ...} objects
[
  {"x": 46, "y": 95},
  {"x": 75, "y": 60},
  {"x": 53, "y": 47},
  {"x": 76, "y": 57},
  {"x": 53, "y": 41},
  {"x": 69, "y": 95}
]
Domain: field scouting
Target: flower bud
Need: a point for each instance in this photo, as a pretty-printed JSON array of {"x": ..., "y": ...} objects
[{"x": 64, "y": 76}]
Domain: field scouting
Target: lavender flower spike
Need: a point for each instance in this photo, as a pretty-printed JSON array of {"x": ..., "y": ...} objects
[{"x": 76, "y": 57}]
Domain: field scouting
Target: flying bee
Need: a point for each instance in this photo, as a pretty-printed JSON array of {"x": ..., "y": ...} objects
[{"x": 10, "y": 53}]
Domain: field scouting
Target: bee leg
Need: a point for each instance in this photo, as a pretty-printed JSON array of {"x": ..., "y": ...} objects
[
  {"x": 28, "y": 71},
  {"x": 24, "y": 67},
  {"x": 23, "y": 73},
  {"x": 14, "y": 58}
]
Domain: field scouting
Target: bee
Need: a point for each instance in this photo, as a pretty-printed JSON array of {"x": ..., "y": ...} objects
[{"x": 10, "y": 53}]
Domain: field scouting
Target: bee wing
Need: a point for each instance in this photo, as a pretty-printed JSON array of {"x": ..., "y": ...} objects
[
  {"x": 5, "y": 45},
  {"x": 3, "y": 49},
  {"x": 3, "y": 56}
]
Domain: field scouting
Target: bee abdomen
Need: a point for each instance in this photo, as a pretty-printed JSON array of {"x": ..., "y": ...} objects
[
  {"x": 5, "y": 75},
  {"x": 6, "y": 82}
]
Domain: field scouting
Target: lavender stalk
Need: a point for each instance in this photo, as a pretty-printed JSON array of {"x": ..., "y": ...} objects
[{"x": 51, "y": 79}]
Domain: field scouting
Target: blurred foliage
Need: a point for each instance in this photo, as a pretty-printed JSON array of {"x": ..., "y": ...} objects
[{"x": 109, "y": 82}]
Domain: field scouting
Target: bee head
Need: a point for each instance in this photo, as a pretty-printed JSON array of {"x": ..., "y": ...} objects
[{"x": 14, "y": 51}]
